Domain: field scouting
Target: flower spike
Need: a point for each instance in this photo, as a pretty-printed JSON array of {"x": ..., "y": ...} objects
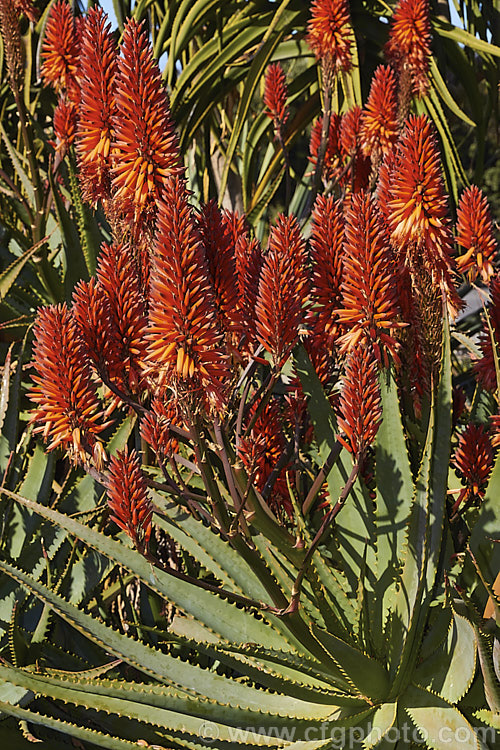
[
  {"x": 379, "y": 120},
  {"x": 475, "y": 235},
  {"x": 145, "y": 151},
  {"x": 360, "y": 403},
  {"x": 60, "y": 50},
  {"x": 98, "y": 68},
  {"x": 283, "y": 289},
  {"x": 329, "y": 34},
  {"x": 473, "y": 461},
  {"x": 276, "y": 95},
  {"x": 369, "y": 287},
  {"x": 184, "y": 339},
  {"x": 128, "y": 499},
  {"x": 68, "y": 411},
  {"x": 409, "y": 45}
]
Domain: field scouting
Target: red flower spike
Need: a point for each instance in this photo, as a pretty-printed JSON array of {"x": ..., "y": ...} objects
[
  {"x": 60, "y": 50},
  {"x": 418, "y": 211},
  {"x": 155, "y": 427},
  {"x": 379, "y": 119},
  {"x": 332, "y": 164},
  {"x": 329, "y": 34},
  {"x": 369, "y": 287},
  {"x": 92, "y": 314},
  {"x": 261, "y": 450},
  {"x": 184, "y": 338},
  {"x": 249, "y": 262},
  {"x": 327, "y": 234},
  {"x": 117, "y": 277},
  {"x": 98, "y": 65},
  {"x": 218, "y": 242},
  {"x": 357, "y": 174},
  {"x": 276, "y": 95},
  {"x": 475, "y": 235},
  {"x": 145, "y": 150},
  {"x": 360, "y": 403},
  {"x": 485, "y": 368},
  {"x": 128, "y": 499},
  {"x": 473, "y": 461},
  {"x": 283, "y": 290},
  {"x": 68, "y": 411},
  {"x": 65, "y": 123},
  {"x": 409, "y": 45}
]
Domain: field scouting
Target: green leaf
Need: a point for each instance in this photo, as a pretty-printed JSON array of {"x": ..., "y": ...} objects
[
  {"x": 9, "y": 276},
  {"x": 439, "y": 723},
  {"x": 450, "y": 669},
  {"x": 16, "y": 163},
  {"x": 464, "y": 38},
  {"x": 383, "y": 719}
]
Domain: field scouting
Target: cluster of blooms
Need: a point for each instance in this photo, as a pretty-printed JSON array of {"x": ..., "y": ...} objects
[{"x": 184, "y": 301}]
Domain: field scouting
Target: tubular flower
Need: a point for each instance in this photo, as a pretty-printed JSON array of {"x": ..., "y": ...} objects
[
  {"x": 409, "y": 45},
  {"x": 117, "y": 277},
  {"x": 27, "y": 7},
  {"x": 128, "y": 499},
  {"x": 369, "y": 285},
  {"x": 485, "y": 368},
  {"x": 418, "y": 210},
  {"x": 358, "y": 167},
  {"x": 379, "y": 119},
  {"x": 327, "y": 234},
  {"x": 385, "y": 179},
  {"x": 282, "y": 290},
  {"x": 61, "y": 50},
  {"x": 236, "y": 224},
  {"x": 276, "y": 95},
  {"x": 261, "y": 450},
  {"x": 332, "y": 163},
  {"x": 360, "y": 404},
  {"x": 473, "y": 461},
  {"x": 184, "y": 339},
  {"x": 249, "y": 262},
  {"x": 329, "y": 34},
  {"x": 475, "y": 235},
  {"x": 65, "y": 123},
  {"x": 145, "y": 150},
  {"x": 68, "y": 411},
  {"x": 155, "y": 427},
  {"x": 218, "y": 242},
  {"x": 98, "y": 65}
]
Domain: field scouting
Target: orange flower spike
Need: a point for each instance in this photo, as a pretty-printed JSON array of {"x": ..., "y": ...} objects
[
  {"x": 473, "y": 461},
  {"x": 98, "y": 66},
  {"x": 409, "y": 45},
  {"x": 217, "y": 239},
  {"x": 283, "y": 290},
  {"x": 60, "y": 49},
  {"x": 92, "y": 314},
  {"x": 184, "y": 341},
  {"x": 68, "y": 411},
  {"x": 329, "y": 34},
  {"x": 327, "y": 234},
  {"x": 475, "y": 235},
  {"x": 65, "y": 124},
  {"x": 128, "y": 499},
  {"x": 485, "y": 368},
  {"x": 27, "y": 7},
  {"x": 145, "y": 150},
  {"x": 155, "y": 427},
  {"x": 360, "y": 403},
  {"x": 418, "y": 211},
  {"x": 379, "y": 119},
  {"x": 369, "y": 287},
  {"x": 118, "y": 279},
  {"x": 276, "y": 95}
]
